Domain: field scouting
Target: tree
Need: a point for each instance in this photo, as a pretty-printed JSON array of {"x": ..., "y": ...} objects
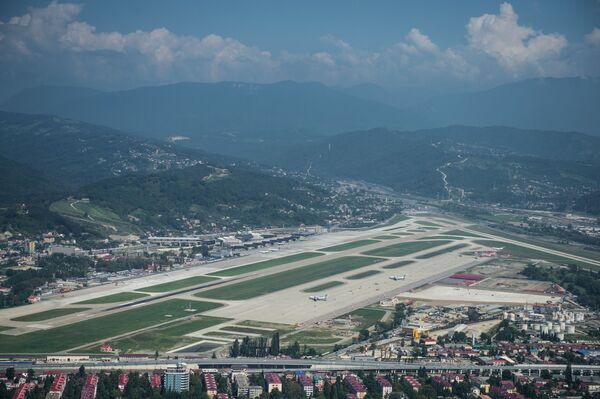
[
  {"x": 363, "y": 335},
  {"x": 275, "y": 344},
  {"x": 81, "y": 372},
  {"x": 234, "y": 351},
  {"x": 10, "y": 373},
  {"x": 30, "y": 375},
  {"x": 569, "y": 374}
]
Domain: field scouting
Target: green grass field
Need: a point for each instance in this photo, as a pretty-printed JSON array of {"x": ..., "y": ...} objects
[
  {"x": 98, "y": 328},
  {"x": 461, "y": 233},
  {"x": 50, "y": 314},
  {"x": 365, "y": 316},
  {"x": 405, "y": 248},
  {"x": 570, "y": 249},
  {"x": 4, "y": 328},
  {"x": 321, "y": 287},
  {"x": 289, "y": 278},
  {"x": 222, "y": 334},
  {"x": 399, "y": 264},
  {"x": 426, "y": 223},
  {"x": 524, "y": 252},
  {"x": 349, "y": 245},
  {"x": 442, "y": 251},
  {"x": 252, "y": 267},
  {"x": 263, "y": 324},
  {"x": 120, "y": 297},
  {"x": 246, "y": 330},
  {"x": 386, "y": 237},
  {"x": 178, "y": 284},
  {"x": 440, "y": 238},
  {"x": 397, "y": 219},
  {"x": 312, "y": 337},
  {"x": 165, "y": 338},
  {"x": 362, "y": 275},
  {"x": 90, "y": 214}
]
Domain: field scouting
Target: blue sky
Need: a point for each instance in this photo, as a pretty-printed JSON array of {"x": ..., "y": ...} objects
[{"x": 459, "y": 45}]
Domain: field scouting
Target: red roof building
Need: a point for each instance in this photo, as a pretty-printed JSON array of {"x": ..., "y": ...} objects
[
  {"x": 222, "y": 396},
  {"x": 307, "y": 384},
  {"x": 273, "y": 382},
  {"x": 58, "y": 385},
  {"x": 384, "y": 384},
  {"x": 467, "y": 276},
  {"x": 89, "y": 389},
  {"x": 155, "y": 380},
  {"x": 106, "y": 348},
  {"x": 355, "y": 386},
  {"x": 211, "y": 385},
  {"x": 412, "y": 381},
  {"x": 21, "y": 392},
  {"x": 123, "y": 380}
]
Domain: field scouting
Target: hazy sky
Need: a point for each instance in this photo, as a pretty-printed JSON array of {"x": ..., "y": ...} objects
[{"x": 458, "y": 45}]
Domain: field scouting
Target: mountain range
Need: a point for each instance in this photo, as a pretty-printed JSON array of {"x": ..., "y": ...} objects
[{"x": 236, "y": 111}]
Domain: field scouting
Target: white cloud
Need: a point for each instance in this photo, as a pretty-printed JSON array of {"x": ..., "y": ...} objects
[
  {"x": 53, "y": 45},
  {"x": 514, "y": 46},
  {"x": 421, "y": 41},
  {"x": 55, "y": 32},
  {"x": 593, "y": 37}
]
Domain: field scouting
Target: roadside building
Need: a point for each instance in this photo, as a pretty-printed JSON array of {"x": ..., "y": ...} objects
[
  {"x": 355, "y": 386},
  {"x": 123, "y": 379},
  {"x": 210, "y": 384},
  {"x": 57, "y": 387},
  {"x": 222, "y": 396},
  {"x": 306, "y": 384},
  {"x": 254, "y": 391},
  {"x": 21, "y": 392},
  {"x": 273, "y": 382},
  {"x": 384, "y": 385},
  {"x": 155, "y": 380},
  {"x": 241, "y": 380},
  {"x": 89, "y": 388},
  {"x": 412, "y": 381},
  {"x": 177, "y": 378}
]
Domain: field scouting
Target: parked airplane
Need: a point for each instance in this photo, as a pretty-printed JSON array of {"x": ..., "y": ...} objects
[
  {"x": 318, "y": 297},
  {"x": 397, "y": 278}
]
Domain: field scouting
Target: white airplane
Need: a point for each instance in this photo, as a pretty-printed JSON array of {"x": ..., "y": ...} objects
[
  {"x": 398, "y": 278},
  {"x": 318, "y": 297}
]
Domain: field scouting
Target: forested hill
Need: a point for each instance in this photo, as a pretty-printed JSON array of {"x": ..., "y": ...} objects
[
  {"x": 211, "y": 195},
  {"x": 49, "y": 164},
  {"x": 77, "y": 153}
]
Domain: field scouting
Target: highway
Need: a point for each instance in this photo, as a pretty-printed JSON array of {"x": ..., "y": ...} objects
[{"x": 320, "y": 365}]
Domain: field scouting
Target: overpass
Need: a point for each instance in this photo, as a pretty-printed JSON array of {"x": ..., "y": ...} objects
[{"x": 314, "y": 365}]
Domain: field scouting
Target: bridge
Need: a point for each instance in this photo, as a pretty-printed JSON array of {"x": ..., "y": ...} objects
[{"x": 313, "y": 365}]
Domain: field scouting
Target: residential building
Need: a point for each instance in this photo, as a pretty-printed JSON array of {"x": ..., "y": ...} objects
[
  {"x": 177, "y": 378},
  {"x": 306, "y": 384},
  {"x": 254, "y": 391},
  {"x": 273, "y": 382},
  {"x": 385, "y": 385},
  {"x": 355, "y": 386},
  {"x": 211, "y": 385}
]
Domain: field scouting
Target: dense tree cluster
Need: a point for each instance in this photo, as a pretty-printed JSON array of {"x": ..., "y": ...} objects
[
  {"x": 50, "y": 268},
  {"x": 584, "y": 284}
]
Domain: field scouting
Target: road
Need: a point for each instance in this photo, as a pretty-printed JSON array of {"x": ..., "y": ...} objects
[{"x": 317, "y": 365}]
